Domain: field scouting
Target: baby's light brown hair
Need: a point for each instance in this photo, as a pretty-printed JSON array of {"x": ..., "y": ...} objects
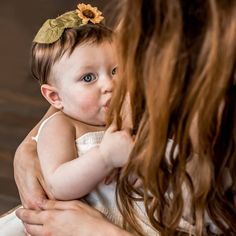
[{"x": 44, "y": 56}]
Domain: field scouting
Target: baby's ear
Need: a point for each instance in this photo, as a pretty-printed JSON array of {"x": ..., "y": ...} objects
[{"x": 51, "y": 95}]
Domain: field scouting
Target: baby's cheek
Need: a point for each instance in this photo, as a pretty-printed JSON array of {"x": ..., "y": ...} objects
[{"x": 89, "y": 105}]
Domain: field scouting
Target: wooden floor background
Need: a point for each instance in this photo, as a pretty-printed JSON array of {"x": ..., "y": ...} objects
[{"x": 21, "y": 104}]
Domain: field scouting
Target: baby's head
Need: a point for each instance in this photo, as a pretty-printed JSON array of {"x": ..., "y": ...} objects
[{"x": 75, "y": 63}]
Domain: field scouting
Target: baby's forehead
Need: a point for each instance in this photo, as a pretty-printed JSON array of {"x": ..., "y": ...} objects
[
  {"x": 91, "y": 44},
  {"x": 86, "y": 56},
  {"x": 84, "y": 50}
]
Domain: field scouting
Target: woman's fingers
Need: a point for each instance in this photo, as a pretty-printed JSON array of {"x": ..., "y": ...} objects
[
  {"x": 26, "y": 214},
  {"x": 59, "y": 220},
  {"x": 34, "y": 230},
  {"x": 30, "y": 216},
  {"x": 59, "y": 205}
]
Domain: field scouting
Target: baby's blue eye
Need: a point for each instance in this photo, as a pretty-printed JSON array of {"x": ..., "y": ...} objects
[
  {"x": 89, "y": 78},
  {"x": 114, "y": 71}
]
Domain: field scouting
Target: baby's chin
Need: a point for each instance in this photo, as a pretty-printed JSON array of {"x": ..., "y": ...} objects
[{"x": 102, "y": 122}]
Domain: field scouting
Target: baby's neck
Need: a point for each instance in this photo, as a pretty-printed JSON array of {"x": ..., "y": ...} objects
[{"x": 83, "y": 128}]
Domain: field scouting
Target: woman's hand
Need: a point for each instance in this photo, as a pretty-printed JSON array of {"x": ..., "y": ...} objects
[{"x": 71, "y": 218}]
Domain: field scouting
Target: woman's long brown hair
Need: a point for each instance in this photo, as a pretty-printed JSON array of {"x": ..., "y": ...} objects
[{"x": 178, "y": 65}]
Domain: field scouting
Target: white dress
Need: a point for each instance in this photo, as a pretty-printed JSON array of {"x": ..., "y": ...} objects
[{"x": 102, "y": 197}]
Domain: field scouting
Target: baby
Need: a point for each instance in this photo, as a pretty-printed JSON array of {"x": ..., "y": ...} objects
[{"x": 74, "y": 60}]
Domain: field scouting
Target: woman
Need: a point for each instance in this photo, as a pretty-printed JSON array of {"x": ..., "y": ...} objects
[{"x": 178, "y": 60}]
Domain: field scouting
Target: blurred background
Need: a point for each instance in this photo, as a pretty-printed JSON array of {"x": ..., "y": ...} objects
[{"x": 21, "y": 105}]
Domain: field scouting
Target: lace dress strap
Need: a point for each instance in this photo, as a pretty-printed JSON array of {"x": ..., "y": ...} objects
[{"x": 35, "y": 138}]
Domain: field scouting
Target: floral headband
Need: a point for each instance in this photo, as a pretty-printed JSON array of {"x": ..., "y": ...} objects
[{"x": 52, "y": 29}]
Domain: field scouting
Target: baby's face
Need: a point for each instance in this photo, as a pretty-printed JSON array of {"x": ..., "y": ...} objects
[{"x": 85, "y": 81}]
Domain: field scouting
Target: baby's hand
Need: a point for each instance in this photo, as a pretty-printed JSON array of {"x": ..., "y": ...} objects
[{"x": 116, "y": 146}]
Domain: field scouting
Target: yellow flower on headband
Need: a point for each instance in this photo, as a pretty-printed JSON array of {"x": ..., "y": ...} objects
[
  {"x": 53, "y": 29},
  {"x": 88, "y": 13}
]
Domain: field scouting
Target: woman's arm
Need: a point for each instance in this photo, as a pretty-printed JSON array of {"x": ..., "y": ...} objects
[
  {"x": 27, "y": 171},
  {"x": 72, "y": 218}
]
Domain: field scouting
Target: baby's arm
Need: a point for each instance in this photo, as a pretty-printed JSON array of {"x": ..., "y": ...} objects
[
  {"x": 69, "y": 177},
  {"x": 27, "y": 171}
]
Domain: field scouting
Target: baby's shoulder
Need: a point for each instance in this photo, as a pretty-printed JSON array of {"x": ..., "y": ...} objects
[
  {"x": 63, "y": 122},
  {"x": 59, "y": 121},
  {"x": 56, "y": 125}
]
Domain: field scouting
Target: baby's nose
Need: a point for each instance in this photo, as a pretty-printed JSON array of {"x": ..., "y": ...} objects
[{"x": 107, "y": 84}]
